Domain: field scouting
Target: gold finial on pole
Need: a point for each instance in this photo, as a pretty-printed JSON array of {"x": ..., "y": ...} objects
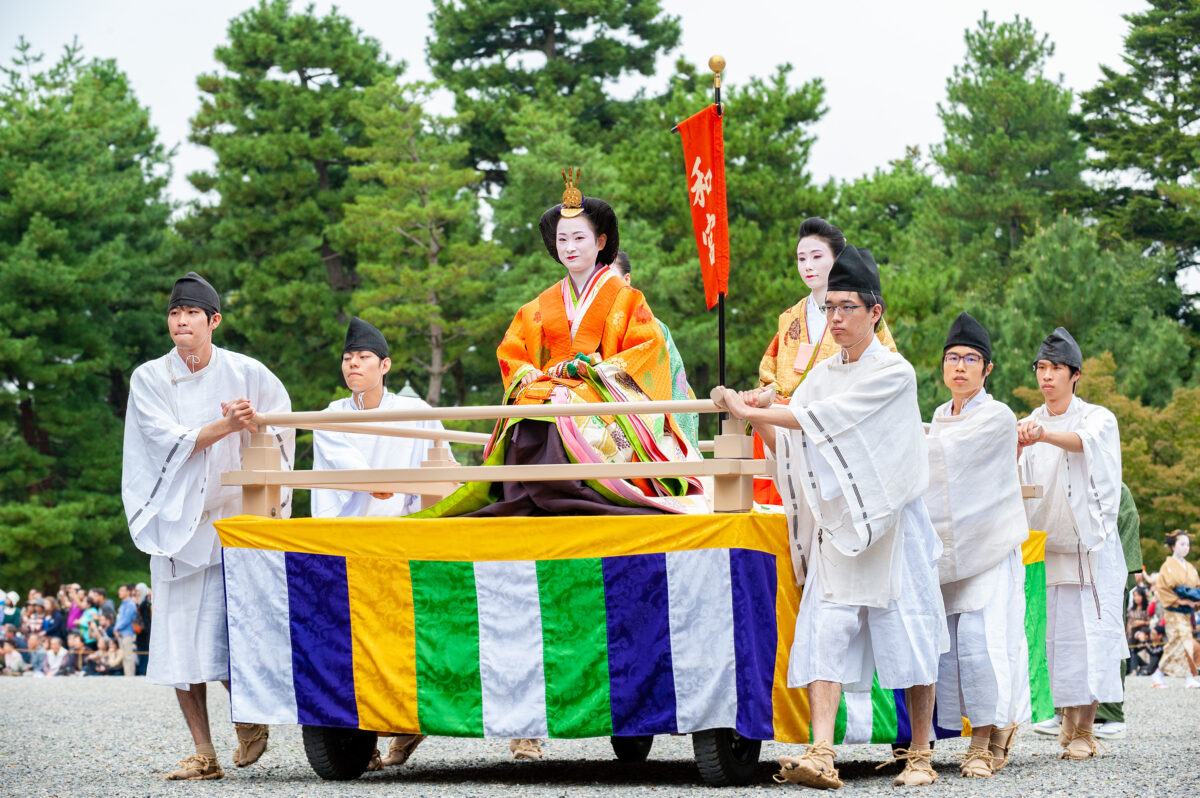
[{"x": 717, "y": 65}]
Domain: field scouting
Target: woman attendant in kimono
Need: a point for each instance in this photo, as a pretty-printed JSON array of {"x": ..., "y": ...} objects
[
  {"x": 1178, "y": 591},
  {"x": 803, "y": 338},
  {"x": 984, "y": 677},
  {"x": 589, "y": 337}
]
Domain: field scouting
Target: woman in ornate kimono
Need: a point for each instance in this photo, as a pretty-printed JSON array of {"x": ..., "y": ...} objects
[
  {"x": 1178, "y": 591},
  {"x": 589, "y": 337},
  {"x": 803, "y": 339}
]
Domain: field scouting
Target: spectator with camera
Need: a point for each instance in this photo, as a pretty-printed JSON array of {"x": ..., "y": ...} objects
[{"x": 54, "y": 624}]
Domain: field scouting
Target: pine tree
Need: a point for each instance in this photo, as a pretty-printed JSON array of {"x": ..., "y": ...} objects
[
  {"x": 414, "y": 223},
  {"x": 84, "y": 275},
  {"x": 1142, "y": 122},
  {"x": 278, "y": 119},
  {"x": 493, "y": 53},
  {"x": 1008, "y": 146}
]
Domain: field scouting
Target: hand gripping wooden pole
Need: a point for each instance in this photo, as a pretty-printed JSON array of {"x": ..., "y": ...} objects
[
  {"x": 732, "y": 493},
  {"x": 261, "y": 455}
]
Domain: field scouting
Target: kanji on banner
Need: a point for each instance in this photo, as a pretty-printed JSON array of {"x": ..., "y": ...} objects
[{"x": 704, "y": 160}]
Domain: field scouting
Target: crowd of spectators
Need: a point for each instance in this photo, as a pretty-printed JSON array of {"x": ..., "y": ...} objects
[
  {"x": 1145, "y": 625},
  {"x": 77, "y": 632}
]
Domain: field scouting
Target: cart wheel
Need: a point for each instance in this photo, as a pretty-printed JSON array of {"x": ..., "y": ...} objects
[
  {"x": 725, "y": 758},
  {"x": 338, "y": 754},
  {"x": 632, "y": 749}
]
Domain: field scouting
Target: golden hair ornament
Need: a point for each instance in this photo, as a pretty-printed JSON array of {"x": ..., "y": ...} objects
[{"x": 572, "y": 198}]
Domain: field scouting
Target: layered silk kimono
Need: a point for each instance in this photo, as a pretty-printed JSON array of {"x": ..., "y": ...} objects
[
  {"x": 789, "y": 359},
  {"x": 626, "y": 360}
]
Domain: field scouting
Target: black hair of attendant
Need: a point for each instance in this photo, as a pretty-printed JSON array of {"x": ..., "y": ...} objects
[
  {"x": 871, "y": 299},
  {"x": 621, "y": 261},
  {"x": 831, "y": 235}
]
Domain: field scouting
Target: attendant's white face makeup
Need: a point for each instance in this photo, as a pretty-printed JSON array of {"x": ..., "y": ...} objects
[
  {"x": 578, "y": 246},
  {"x": 814, "y": 259},
  {"x": 1182, "y": 546},
  {"x": 364, "y": 370}
]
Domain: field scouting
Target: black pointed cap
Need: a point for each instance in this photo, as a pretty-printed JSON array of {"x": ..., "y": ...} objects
[
  {"x": 1059, "y": 347},
  {"x": 362, "y": 337},
  {"x": 966, "y": 331},
  {"x": 193, "y": 291},
  {"x": 603, "y": 219},
  {"x": 855, "y": 270}
]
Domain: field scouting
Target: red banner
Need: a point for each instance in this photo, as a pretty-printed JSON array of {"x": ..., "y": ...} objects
[{"x": 704, "y": 160}]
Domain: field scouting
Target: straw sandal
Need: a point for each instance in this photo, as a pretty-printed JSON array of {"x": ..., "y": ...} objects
[
  {"x": 1082, "y": 745},
  {"x": 977, "y": 764},
  {"x": 374, "y": 763},
  {"x": 525, "y": 748},
  {"x": 813, "y": 769},
  {"x": 1001, "y": 741},
  {"x": 400, "y": 748},
  {"x": 918, "y": 767},
  {"x": 197, "y": 767},
  {"x": 252, "y": 743}
]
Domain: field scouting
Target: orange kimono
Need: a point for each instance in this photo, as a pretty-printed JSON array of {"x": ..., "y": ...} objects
[
  {"x": 619, "y": 355},
  {"x": 790, "y": 356}
]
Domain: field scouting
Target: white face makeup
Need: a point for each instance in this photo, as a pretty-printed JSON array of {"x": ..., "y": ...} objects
[
  {"x": 814, "y": 259},
  {"x": 578, "y": 247},
  {"x": 1182, "y": 546}
]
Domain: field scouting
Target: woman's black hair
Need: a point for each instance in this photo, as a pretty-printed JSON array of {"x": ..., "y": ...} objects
[
  {"x": 600, "y": 216},
  {"x": 1175, "y": 536},
  {"x": 816, "y": 226}
]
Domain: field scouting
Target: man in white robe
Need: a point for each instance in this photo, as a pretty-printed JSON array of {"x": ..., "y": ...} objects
[
  {"x": 852, "y": 468},
  {"x": 974, "y": 501},
  {"x": 365, "y": 364},
  {"x": 190, "y": 413},
  {"x": 1073, "y": 449}
]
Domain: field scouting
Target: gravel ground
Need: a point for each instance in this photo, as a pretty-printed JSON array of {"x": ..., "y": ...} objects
[{"x": 116, "y": 737}]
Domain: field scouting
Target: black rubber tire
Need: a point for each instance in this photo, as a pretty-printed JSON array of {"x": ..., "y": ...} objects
[
  {"x": 725, "y": 758},
  {"x": 632, "y": 749},
  {"x": 338, "y": 754}
]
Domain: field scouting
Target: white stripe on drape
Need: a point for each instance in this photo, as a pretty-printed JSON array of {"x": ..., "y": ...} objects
[
  {"x": 260, "y": 639},
  {"x": 702, "y": 649},
  {"x": 510, "y": 649}
]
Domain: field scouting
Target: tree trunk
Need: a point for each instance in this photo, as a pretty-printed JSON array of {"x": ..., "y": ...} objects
[{"x": 37, "y": 439}]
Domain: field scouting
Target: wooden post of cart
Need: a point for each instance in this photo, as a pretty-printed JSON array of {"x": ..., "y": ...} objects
[
  {"x": 436, "y": 456},
  {"x": 261, "y": 455}
]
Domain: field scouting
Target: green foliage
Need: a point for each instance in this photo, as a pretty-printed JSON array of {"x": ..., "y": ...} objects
[
  {"x": 278, "y": 119},
  {"x": 425, "y": 271},
  {"x": 1110, "y": 300},
  {"x": 1141, "y": 121},
  {"x": 494, "y": 53},
  {"x": 1160, "y": 452},
  {"x": 84, "y": 276},
  {"x": 1008, "y": 146}
]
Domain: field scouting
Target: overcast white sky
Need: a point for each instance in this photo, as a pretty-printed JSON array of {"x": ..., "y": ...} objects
[{"x": 884, "y": 62}]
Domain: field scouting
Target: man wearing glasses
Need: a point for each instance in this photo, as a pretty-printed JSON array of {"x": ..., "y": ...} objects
[{"x": 853, "y": 466}]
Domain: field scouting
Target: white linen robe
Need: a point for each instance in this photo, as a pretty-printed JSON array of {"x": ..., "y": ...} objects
[
  {"x": 1085, "y": 566},
  {"x": 974, "y": 501},
  {"x": 172, "y": 499},
  {"x": 348, "y": 450},
  {"x": 852, "y": 478}
]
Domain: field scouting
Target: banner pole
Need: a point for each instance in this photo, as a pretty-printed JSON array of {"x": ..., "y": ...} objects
[{"x": 717, "y": 65}]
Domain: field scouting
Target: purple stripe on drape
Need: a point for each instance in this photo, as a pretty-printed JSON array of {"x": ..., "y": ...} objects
[
  {"x": 753, "y": 579},
  {"x": 903, "y": 727},
  {"x": 322, "y": 656},
  {"x": 641, "y": 682}
]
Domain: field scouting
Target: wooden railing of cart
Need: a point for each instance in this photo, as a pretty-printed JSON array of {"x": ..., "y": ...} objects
[{"x": 732, "y": 467}]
